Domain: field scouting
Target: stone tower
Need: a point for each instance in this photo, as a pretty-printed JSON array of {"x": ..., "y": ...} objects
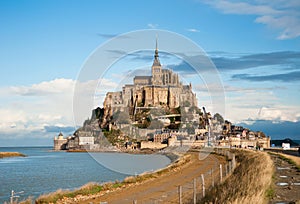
[
  {"x": 156, "y": 69},
  {"x": 60, "y": 142}
]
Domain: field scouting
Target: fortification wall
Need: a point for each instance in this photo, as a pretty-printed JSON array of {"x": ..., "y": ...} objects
[{"x": 152, "y": 145}]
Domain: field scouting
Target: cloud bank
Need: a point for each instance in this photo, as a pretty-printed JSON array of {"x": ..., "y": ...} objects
[
  {"x": 45, "y": 108},
  {"x": 289, "y": 77},
  {"x": 282, "y": 15}
]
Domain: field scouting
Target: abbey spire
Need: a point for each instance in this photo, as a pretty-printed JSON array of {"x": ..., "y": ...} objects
[
  {"x": 156, "y": 61},
  {"x": 156, "y": 68}
]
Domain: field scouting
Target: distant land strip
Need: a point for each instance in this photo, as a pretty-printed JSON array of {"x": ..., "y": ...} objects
[{"x": 11, "y": 154}]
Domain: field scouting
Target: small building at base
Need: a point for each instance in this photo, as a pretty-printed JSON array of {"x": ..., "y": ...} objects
[{"x": 60, "y": 142}]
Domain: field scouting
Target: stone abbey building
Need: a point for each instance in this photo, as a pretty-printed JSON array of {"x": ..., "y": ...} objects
[
  {"x": 130, "y": 119},
  {"x": 162, "y": 89}
]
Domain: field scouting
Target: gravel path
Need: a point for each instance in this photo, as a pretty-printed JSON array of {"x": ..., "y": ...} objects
[{"x": 287, "y": 182}]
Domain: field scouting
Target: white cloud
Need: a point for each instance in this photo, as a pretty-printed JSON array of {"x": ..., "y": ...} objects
[
  {"x": 243, "y": 8},
  {"x": 12, "y": 119},
  {"x": 18, "y": 122},
  {"x": 28, "y": 109},
  {"x": 193, "y": 30},
  {"x": 48, "y": 117},
  {"x": 258, "y": 105},
  {"x": 279, "y": 113},
  {"x": 281, "y": 15},
  {"x": 289, "y": 24},
  {"x": 24, "y": 122},
  {"x": 152, "y": 26},
  {"x": 55, "y": 86}
]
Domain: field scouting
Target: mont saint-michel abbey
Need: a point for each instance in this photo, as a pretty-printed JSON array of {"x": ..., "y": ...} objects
[
  {"x": 162, "y": 88},
  {"x": 156, "y": 112}
]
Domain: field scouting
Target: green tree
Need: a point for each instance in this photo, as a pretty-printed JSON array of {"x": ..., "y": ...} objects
[
  {"x": 112, "y": 136},
  {"x": 195, "y": 109},
  {"x": 172, "y": 119},
  {"x": 219, "y": 118}
]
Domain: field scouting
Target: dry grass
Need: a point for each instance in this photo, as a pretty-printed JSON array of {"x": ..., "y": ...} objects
[
  {"x": 249, "y": 183},
  {"x": 292, "y": 159},
  {"x": 11, "y": 154},
  {"x": 87, "y": 189},
  {"x": 27, "y": 201},
  {"x": 52, "y": 197}
]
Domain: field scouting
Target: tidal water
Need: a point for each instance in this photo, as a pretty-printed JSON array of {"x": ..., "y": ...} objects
[{"x": 44, "y": 171}]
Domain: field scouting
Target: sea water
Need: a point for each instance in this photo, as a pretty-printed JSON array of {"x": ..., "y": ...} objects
[{"x": 44, "y": 171}]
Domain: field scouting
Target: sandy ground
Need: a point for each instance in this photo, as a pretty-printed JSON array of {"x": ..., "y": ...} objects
[{"x": 163, "y": 189}]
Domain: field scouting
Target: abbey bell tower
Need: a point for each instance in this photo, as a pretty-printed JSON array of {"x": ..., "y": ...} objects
[
  {"x": 156, "y": 69},
  {"x": 162, "y": 88}
]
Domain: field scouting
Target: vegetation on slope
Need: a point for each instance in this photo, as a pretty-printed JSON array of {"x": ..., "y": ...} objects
[{"x": 249, "y": 183}]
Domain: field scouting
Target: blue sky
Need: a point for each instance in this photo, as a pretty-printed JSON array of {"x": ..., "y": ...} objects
[{"x": 255, "y": 46}]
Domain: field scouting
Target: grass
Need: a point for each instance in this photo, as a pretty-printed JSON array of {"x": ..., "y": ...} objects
[
  {"x": 250, "y": 182},
  {"x": 94, "y": 188},
  {"x": 87, "y": 189},
  {"x": 270, "y": 192},
  {"x": 27, "y": 201},
  {"x": 11, "y": 154}
]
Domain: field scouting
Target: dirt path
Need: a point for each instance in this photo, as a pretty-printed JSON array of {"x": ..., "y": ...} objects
[
  {"x": 163, "y": 189},
  {"x": 287, "y": 182}
]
